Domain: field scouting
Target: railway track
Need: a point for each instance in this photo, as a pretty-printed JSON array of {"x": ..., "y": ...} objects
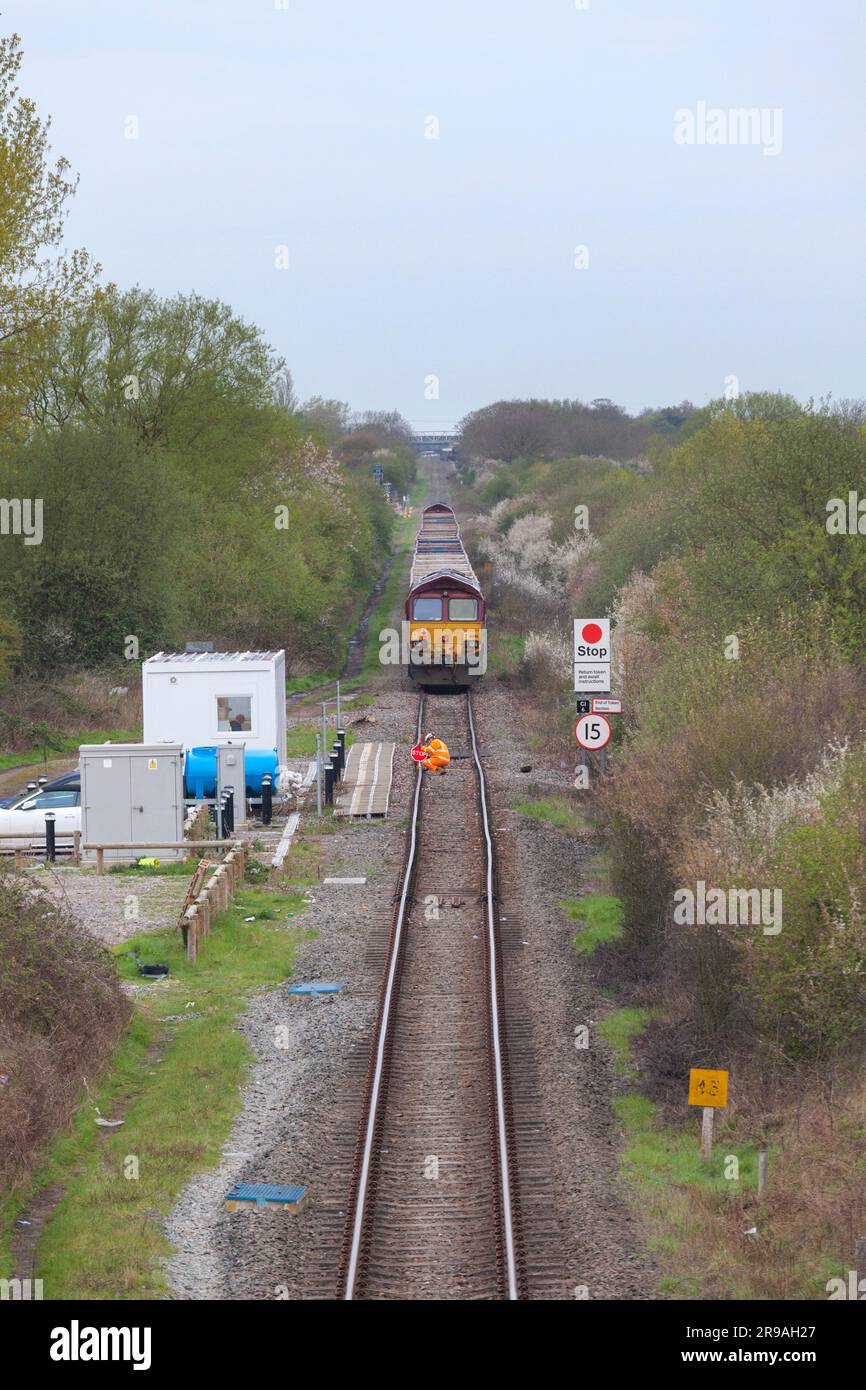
[{"x": 434, "y": 1212}]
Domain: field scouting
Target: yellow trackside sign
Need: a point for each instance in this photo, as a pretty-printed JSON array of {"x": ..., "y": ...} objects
[{"x": 708, "y": 1087}]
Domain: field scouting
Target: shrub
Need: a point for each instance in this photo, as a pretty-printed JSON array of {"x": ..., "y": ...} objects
[{"x": 61, "y": 1013}]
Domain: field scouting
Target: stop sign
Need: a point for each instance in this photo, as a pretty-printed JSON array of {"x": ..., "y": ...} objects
[{"x": 592, "y": 639}]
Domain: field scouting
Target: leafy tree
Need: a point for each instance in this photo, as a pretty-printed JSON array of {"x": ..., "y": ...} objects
[
  {"x": 112, "y": 561},
  {"x": 327, "y": 418},
  {"x": 183, "y": 372},
  {"x": 755, "y": 537},
  {"x": 36, "y": 292},
  {"x": 10, "y": 648}
]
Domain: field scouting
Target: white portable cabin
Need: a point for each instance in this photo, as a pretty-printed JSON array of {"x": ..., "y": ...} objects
[{"x": 204, "y": 698}]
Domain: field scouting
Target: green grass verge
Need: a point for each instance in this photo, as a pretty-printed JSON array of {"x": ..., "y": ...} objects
[
  {"x": 601, "y": 920},
  {"x": 301, "y": 740},
  {"x": 176, "y": 1083},
  {"x": 658, "y": 1157},
  {"x": 295, "y": 685},
  {"x": 618, "y": 1030},
  {"x": 63, "y": 745},
  {"x": 553, "y": 810}
]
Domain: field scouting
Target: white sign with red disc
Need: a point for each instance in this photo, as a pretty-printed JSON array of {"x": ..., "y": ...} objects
[
  {"x": 592, "y": 731},
  {"x": 592, "y": 639},
  {"x": 591, "y": 654}
]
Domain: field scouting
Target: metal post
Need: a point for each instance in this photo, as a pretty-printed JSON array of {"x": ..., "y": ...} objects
[
  {"x": 230, "y": 810},
  {"x": 50, "y": 850},
  {"x": 341, "y": 739},
  {"x": 267, "y": 799},
  {"x": 329, "y": 783},
  {"x": 318, "y": 774},
  {"x": 338, "y": 704},
  {"x": 324, "y": 726}
]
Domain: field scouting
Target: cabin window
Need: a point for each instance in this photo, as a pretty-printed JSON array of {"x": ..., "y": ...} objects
[
  {"x": 463, "y": 610},
  {"x": 427, "y": 609},
  {"x": 234, "y": 714}
]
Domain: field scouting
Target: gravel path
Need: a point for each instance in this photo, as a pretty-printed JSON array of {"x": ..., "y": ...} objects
[{"x": 102, "y": 902}]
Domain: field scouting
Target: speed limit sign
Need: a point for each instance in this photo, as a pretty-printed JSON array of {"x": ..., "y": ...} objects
[{"x": 592, "y": 731}]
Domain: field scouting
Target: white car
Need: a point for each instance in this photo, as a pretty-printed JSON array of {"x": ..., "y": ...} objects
[{"x": 27, "y": 817}]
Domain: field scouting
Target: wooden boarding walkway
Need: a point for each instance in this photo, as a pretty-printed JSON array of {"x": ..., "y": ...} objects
[{"x": 366, "y": 786}]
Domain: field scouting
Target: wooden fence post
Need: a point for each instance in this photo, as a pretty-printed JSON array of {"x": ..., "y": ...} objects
[
  {"x": 202, "y": 902},
  {"x": 191, "y": 916},
  {"x": 100, "y": 861}
]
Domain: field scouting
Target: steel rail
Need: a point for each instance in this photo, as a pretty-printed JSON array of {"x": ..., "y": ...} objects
[
  {"x": 379, "y": 1069},
  {"x": 498, "y": 1070}
]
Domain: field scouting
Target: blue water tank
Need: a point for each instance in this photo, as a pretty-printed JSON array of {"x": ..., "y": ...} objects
[{"x": 200, "y": 770}]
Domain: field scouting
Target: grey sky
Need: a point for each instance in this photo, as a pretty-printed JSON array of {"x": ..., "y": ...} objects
[{"x": 410, "y": 257}]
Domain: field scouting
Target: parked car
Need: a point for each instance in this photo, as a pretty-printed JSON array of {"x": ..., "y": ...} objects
[
  {"x": 70, "y": 781},
  {"x": 27, "y": 816}
]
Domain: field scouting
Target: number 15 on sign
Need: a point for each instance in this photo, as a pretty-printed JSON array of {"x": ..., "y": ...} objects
[{"x": 592, "y": 731}]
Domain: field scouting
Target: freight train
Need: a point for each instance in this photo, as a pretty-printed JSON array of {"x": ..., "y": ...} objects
[{"x": 445, "y": 626}]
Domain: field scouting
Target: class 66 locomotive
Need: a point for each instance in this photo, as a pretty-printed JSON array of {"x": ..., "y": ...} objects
[{"x": 445, "y": 633}]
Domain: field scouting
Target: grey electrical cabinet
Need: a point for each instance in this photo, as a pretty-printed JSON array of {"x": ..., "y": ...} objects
[{"x": 132, "y": 793}]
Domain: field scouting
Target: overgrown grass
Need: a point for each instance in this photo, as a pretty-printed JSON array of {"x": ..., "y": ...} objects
[
  {"x": 553, "y": 810},
  {"x": 618, "y": 1030},
  {"x": 301, "y": 740},
  {"x": 601, "y": 920},
  {"x": 658, "y": 1157},
  {"x": 66, "y": 745},
  {"x": 712, "y": 1236},
  {"x": 295, "y": 685},
  {"x": 176, "y": 1083}
]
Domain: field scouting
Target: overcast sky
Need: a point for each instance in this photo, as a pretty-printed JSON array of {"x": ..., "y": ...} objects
[{"x": 303, "y": 124}]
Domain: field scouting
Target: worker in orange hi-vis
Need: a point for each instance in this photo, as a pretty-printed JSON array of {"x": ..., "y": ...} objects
[{"x": 434, "y": 755}]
